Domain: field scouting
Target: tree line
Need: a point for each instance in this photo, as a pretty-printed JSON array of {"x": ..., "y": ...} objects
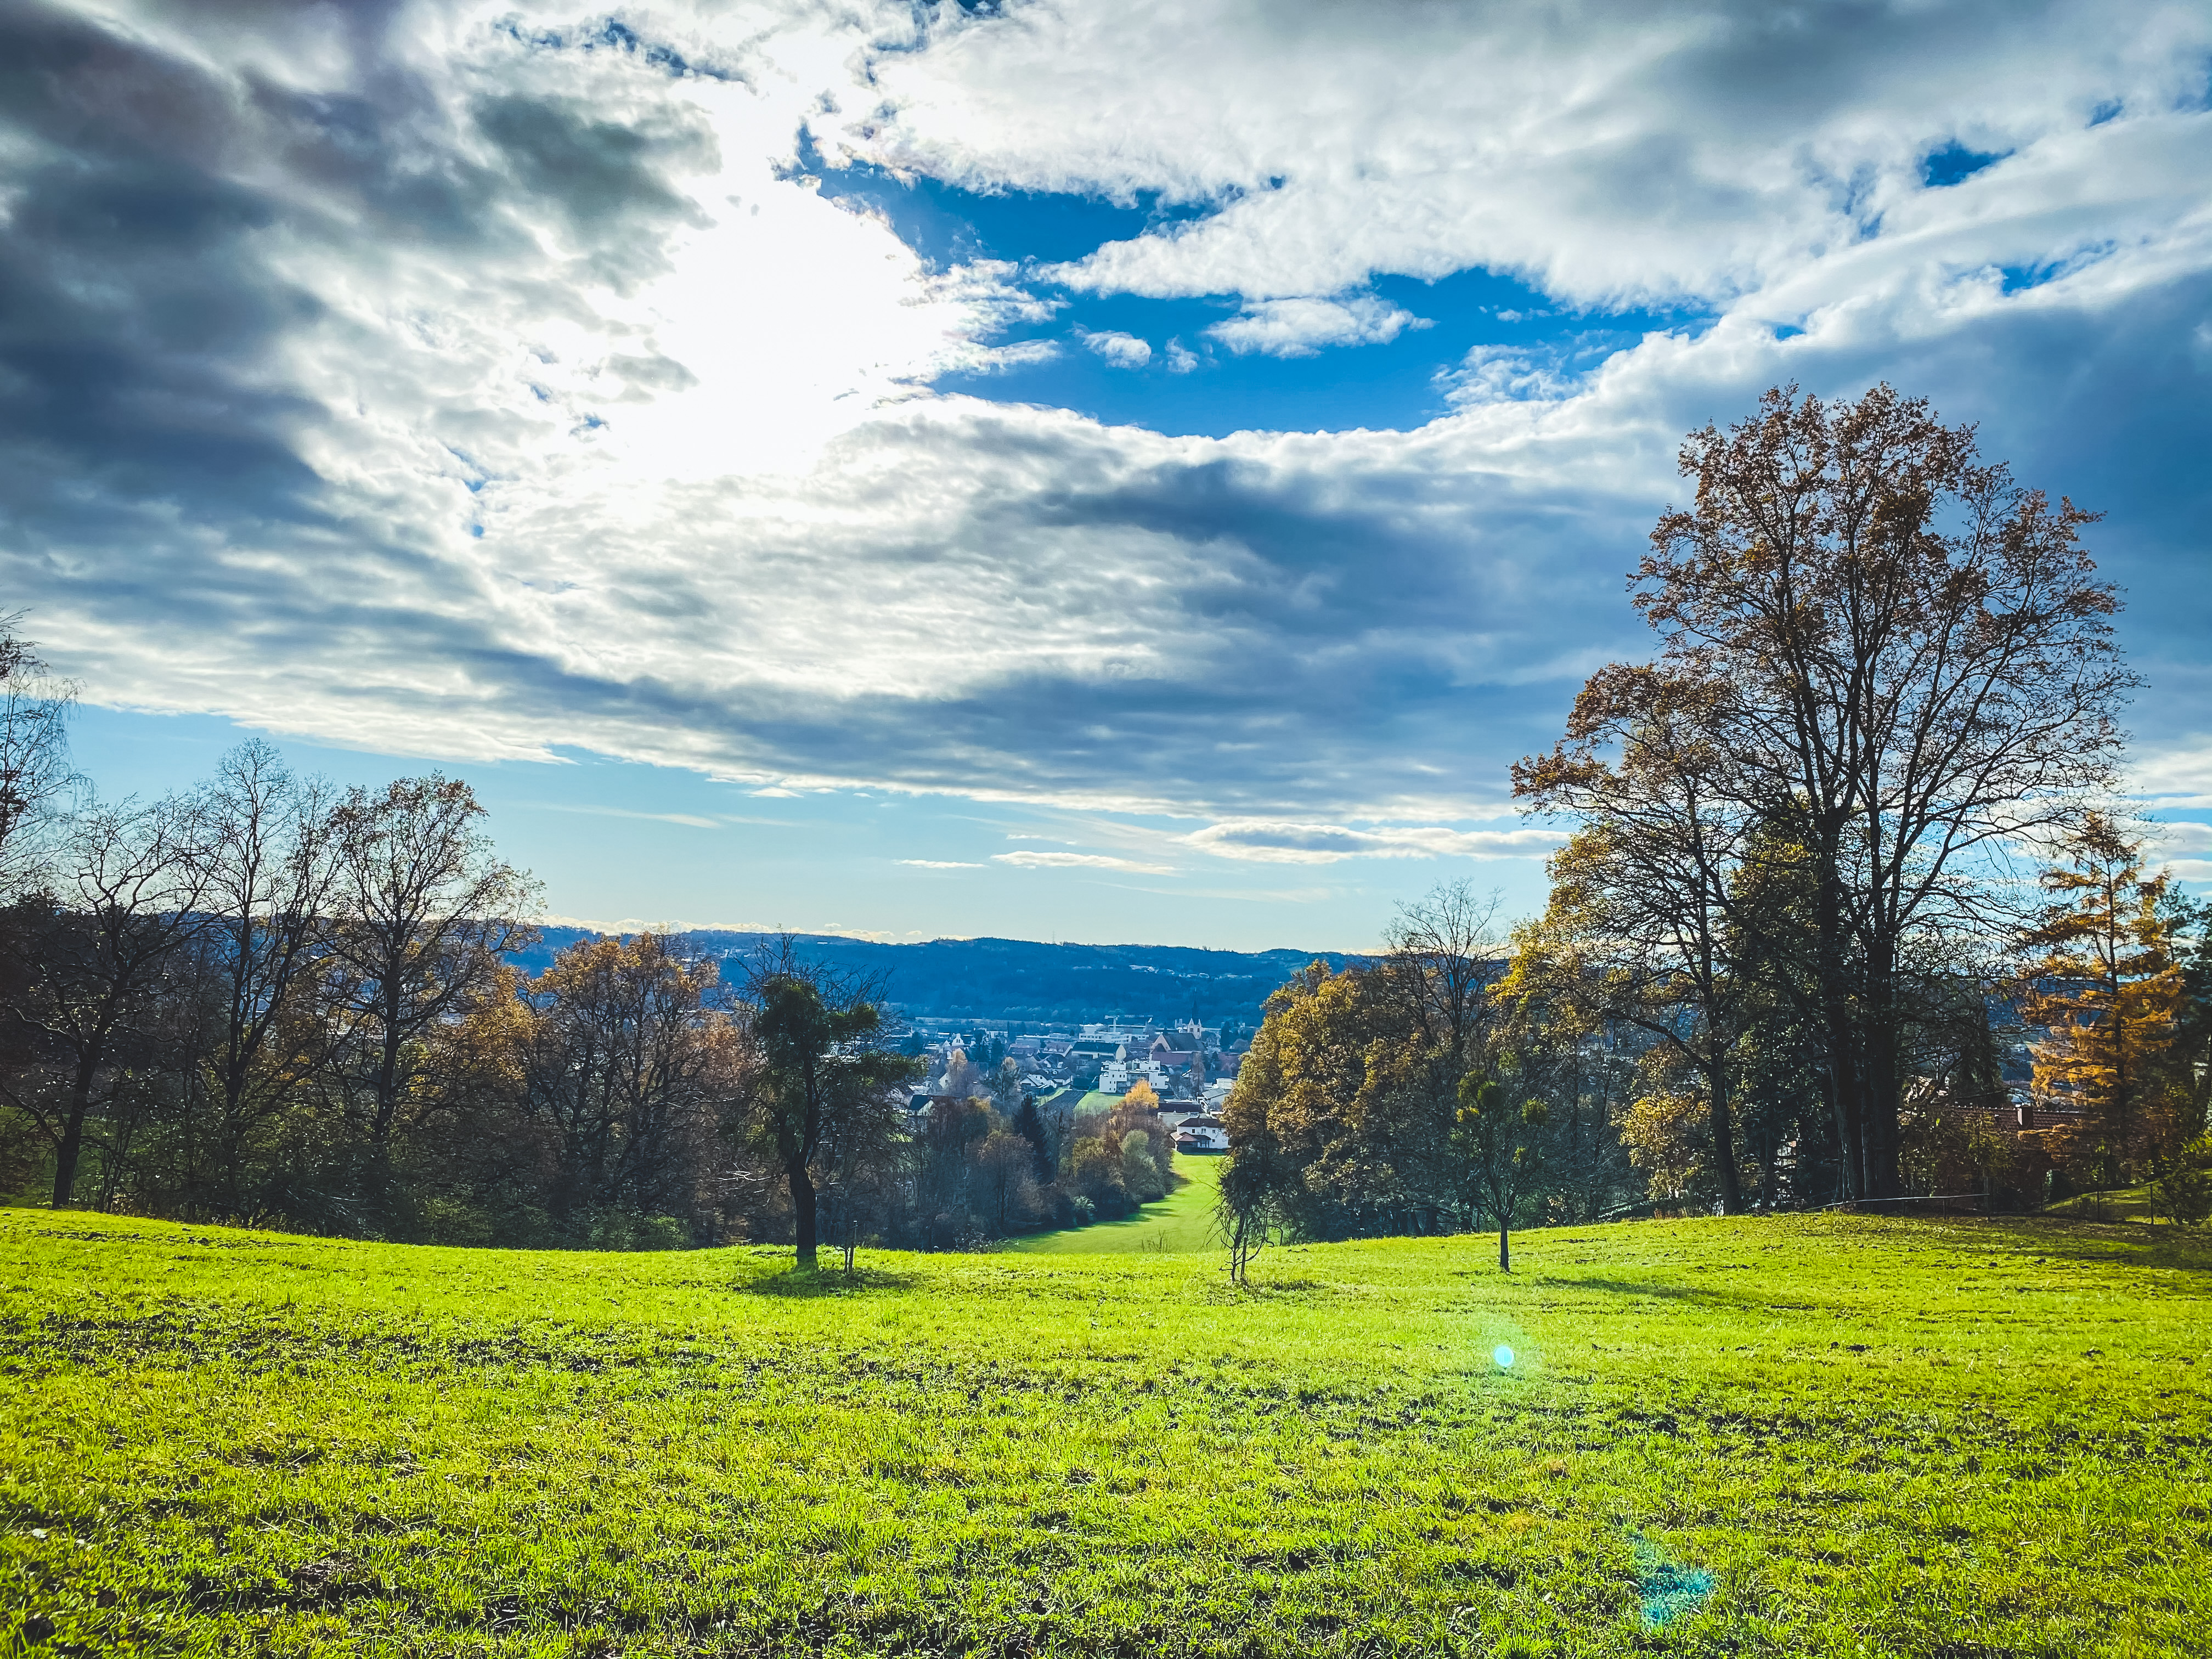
[
  {"x": 1849, "y": 832},
  {"x": 267, "y": 999}
]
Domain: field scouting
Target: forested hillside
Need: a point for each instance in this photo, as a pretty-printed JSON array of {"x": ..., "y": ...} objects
[{"x": 1016, "y": 978}]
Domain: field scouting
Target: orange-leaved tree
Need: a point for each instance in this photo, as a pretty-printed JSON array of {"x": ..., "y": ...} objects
[{"x": 2105, "y": 985}]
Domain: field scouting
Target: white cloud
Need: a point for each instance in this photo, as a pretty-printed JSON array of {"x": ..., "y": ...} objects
[
  {"x": 938, "y": 864},
  {"x": 1640, "y": 153},
  {"x": 1123, "y": 350},
  {"x": 557, "y": 410},
  {"x": 688, "y": 819},
  {"x": 1300, "y": 327},
  {"x": 1273, "y": 843},
  {"x": 999, "y": 359},
  {"x": 2173, "y": 847},
  {"x": 1029, "y": 860},
  {"x": 1497, "y": 375},
  {"x": 2175, "y": 838}
]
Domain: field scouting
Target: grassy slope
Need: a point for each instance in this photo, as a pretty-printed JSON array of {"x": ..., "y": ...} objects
[
  {"x": 1880, "y": 1436},
  {"x": 1182, "y": 1221},
  {"x": 2120, "y": 1204}
]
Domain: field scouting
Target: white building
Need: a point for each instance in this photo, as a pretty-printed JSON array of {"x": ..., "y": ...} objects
[
  {"x": 1115, "y": 1076},
  {"x": 1201, "y": 1135}
]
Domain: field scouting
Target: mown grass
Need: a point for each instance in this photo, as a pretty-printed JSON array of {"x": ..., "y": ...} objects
[
  {"x": 1875, "y": 1436},
  {"x": 1178, "y": 1224},
  {"x": 2119, "y": 1204}
]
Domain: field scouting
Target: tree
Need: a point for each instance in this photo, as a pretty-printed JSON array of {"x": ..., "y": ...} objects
[
  {"x": 962, "y": 1078},
  {"x": 1441, "y": 954},
  {"x": 1294, "y": 1117},
  {"x": 860, "y": 1175},
  {"x": 92, "y": 960},
  {"x": 1641, "y": 895},
  {"x": 814, "y": 1030},
  {"x": 633, "y": 1073},
  {"x": 1903, "y": 662},
  {"x": 1554, "y": 1011},
  {"x": 1501, "y": 1153},
  {"x": 1141, "y": 1173},
  {"x": 1141, "y": 1096},
  {"x": 1343, "y": 1109},
  {"x": 35, "y": 763},
  {"x": 2107, "y": 988},
  {"x": 1029, "y": 1124},
  {"x": 1003, "y": 1162},
  {"x": 422, "y": 911},
  {"x": 265, "y": 847}
]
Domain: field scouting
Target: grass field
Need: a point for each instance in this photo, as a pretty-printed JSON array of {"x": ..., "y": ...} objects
[
  {"x": 1180, "y": 1222},
  {"x": 1802, "y": 1436}
]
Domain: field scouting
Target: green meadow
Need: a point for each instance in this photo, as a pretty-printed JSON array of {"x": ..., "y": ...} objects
[
  {"x": 1800, "y": 1436},
  {"x": 1180, "y": 1223}
]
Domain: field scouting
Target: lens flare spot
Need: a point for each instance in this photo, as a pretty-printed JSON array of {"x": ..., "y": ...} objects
[{"x": 1504, "y": 1356}]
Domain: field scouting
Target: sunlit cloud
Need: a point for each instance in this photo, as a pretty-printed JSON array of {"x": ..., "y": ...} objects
[
  {"x": 1027, "y": 859},
  {"x": 542, "y": 397},
  {"x": 1270, "y": 843},
  {"x": 1123, "y": 350}
]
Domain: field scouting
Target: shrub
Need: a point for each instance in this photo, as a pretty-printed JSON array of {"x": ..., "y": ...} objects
[
  {"x": 2184, "y": 1192},
  {"x": 456, "y": 1221}
]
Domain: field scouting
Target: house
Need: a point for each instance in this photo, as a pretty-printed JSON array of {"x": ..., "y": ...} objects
[{"x": 1201, "y": 1135}]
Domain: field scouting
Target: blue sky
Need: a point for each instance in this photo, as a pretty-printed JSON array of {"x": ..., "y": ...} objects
[{"x": 1130, "y": 474}]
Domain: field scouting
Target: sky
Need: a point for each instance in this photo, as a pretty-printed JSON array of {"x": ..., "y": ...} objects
[{"x": 1131, "y": 473}]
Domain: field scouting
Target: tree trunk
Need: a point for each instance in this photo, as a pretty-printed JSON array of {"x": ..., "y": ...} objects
[
  {"x": 69, "y": 1151},
  {"x": 1724, "y": 1140},
  {"x": 65, "y": 1160},
  {"x": 1879, "y": 1080},
  {"x": 1842, "y": 1080},
  {"x": 802, "y": 1205},
  {"x": 1504, "y": 1248}
]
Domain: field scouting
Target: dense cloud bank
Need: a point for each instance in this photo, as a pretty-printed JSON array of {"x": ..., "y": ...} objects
[{"x": 469, "y": 381}]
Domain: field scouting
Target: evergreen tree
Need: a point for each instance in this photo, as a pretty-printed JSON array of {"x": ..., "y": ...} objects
[{"x": 2107, "y": 988}]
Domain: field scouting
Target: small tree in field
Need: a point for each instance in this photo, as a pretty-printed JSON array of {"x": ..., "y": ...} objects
[
  {"x": 1501, "y": 1153},
  {"x": 818, "y": 1071}
]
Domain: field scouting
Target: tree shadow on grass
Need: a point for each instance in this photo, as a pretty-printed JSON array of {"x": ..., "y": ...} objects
[
  {"x": 2108, "y": 1243},
  {"x": 793, "y": 1284},
  {"x": 1702, "y": 1295}
]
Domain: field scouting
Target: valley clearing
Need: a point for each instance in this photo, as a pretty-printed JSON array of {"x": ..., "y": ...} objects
[{"x": 1804, "y": 1436}]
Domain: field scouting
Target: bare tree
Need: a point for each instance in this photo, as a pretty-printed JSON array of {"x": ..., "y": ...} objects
[
  {"x": 92, "y": 960},
  {"x": 1440, "y": 956},
  {"x": 266, "y": 870},
  {"x": 422, "y": 911},
  {"x": 1643, "y": 896},
  {"x": 35, "y": 763}
]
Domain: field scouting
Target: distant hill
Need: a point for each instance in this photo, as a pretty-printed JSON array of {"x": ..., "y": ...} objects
[{"x": 1022, "y": 980}]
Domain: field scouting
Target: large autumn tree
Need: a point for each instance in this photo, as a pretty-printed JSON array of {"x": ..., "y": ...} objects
[
  {"x": 1643, "y": 905},
  {"x": 1905, "y": 662}
]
